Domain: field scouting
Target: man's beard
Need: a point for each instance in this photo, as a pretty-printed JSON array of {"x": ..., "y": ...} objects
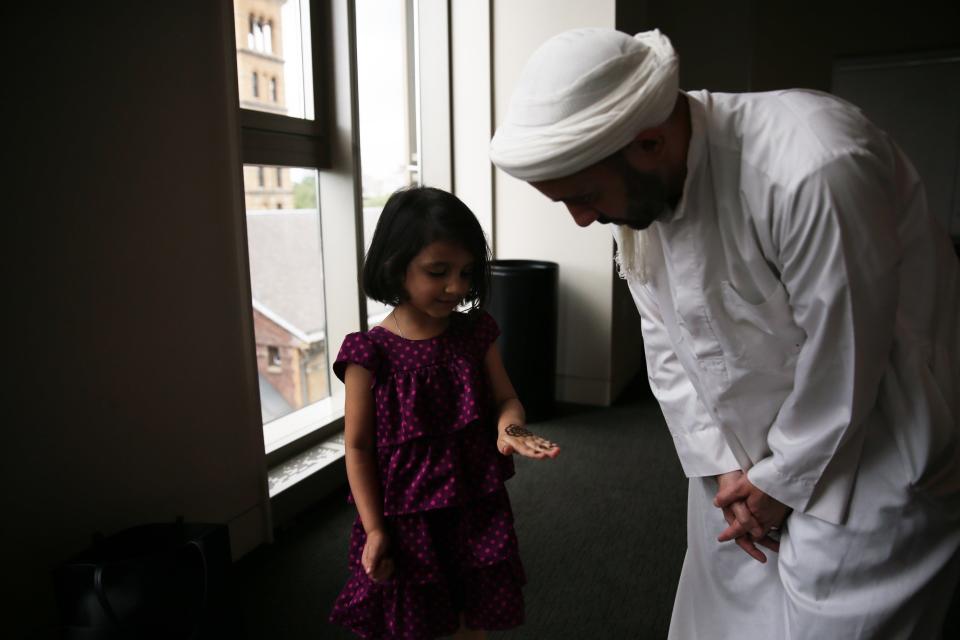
[{"x": 647, "y": 199}]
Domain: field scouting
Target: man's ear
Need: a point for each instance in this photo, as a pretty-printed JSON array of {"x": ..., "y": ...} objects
[
  {"x": 649, "y": 142},
  {"x": 646, "y": 150}
]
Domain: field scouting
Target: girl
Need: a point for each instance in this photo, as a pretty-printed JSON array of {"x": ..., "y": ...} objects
[{"x": 428, "y": 405}]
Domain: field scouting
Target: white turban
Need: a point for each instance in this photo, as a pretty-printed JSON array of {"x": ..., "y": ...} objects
[{"x": 584, "y": 95}]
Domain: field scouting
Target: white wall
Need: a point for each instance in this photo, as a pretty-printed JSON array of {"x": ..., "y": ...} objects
[
  {"x": 472, "y": 105},
  {"x": 530, "y": 226}
]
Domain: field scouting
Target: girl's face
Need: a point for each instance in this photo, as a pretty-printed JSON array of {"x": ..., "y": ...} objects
[{"x": 438, "y": 278}]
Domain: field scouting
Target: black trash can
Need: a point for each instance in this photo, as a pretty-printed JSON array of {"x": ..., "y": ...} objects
[{"x": 523, "y": 301}]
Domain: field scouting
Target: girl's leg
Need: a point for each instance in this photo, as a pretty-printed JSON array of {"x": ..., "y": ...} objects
[{"x": 468, "y": 634}]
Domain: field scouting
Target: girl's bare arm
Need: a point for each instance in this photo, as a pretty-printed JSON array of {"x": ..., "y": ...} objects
[
  {"x": 360, "y": 444},
  {"x": 513, "y": 434}
]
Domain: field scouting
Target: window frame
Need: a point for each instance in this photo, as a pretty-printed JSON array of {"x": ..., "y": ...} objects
[
  {"x": 329, "y": 143},
  {"x": 274, "y": 139},
  {"x": 282, "y": 141}
]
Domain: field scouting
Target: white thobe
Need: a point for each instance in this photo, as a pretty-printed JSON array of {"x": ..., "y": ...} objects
[{"x": 800, "y": 319}]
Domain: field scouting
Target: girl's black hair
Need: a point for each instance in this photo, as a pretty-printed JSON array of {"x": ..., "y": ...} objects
[{"x": 412, "y": 218}]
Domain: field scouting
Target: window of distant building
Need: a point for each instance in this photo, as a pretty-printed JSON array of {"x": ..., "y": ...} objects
[
  {"x": 260, "y": 180},
  {"x": 273, "y": 357},
  {"x": 255, "y": 85},
  {"x": 273, "y": 89},
  {"x": 280, "y": 177},
  {"x": 258, "y": 34}
]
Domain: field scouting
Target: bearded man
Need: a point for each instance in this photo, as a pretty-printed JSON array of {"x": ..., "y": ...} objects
[{"x": 800, "y": 310}]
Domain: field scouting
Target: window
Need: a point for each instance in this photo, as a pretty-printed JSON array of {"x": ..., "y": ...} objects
[
  {"x": 286, "y": 276},
  {"x": 284, "y": 222},
  {"x": 307, "y": 228},
  {"x": 273, "y": 358},
  {"x": 285, "y": 66},
  {"x": 268, "y": 37},
  {"x": 285, "y": 250},
  {"x": 389, "y": 135},
  {"x": 258, "y": 35}
]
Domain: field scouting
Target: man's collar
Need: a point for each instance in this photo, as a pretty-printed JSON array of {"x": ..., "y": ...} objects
[{"x": 694, "y": 151}]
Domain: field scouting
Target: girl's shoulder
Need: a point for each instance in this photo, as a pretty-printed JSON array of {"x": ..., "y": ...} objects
[
  {"x": 377, "y": 338},
  {"x": 478, "y": 329},
  {"x": 362, "y": 348},
  {"x": 471, "y": 334},
  {"x": 381, "y": 352}
]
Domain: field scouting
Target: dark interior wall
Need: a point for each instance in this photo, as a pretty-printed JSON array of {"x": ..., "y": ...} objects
[
  {"x": 710, "y": 38},
  {"x": 134, "y": 397},
  {"x": 751, "y": 45},
  {"x": 798, "y": 47}
]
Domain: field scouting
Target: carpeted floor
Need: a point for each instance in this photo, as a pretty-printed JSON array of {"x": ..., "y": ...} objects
[{"x": 601, "y": 532}]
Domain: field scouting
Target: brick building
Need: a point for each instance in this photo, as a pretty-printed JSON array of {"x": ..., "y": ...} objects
[{"x": 286, "y": 272}]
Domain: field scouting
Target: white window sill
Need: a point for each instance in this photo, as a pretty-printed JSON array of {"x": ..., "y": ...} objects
[
  {"x": 305, "y": 464},
  {"x": 298, "y": 424}
]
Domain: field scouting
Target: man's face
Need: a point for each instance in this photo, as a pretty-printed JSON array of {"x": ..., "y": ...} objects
[{"x": 611, "y": 192}]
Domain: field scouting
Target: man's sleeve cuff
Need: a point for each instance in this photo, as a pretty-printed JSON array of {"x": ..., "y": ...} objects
[
  {"x": 704, "y": 452},
  {"x": 793, "y": 492}
]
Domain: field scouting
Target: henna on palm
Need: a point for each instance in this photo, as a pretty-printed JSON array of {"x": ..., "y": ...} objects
[{"x": 517, "y": 431}]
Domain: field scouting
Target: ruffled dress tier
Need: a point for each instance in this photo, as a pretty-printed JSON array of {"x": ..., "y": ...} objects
[{"x": 446, "y": 510}]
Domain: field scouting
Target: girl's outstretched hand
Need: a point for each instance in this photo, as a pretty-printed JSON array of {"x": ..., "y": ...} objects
[
  {"x": 376, "y": 563},
  {"x": 518, "y": 439}
]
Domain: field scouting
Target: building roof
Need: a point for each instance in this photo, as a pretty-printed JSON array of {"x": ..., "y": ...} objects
[
  {"x": 286, "y": 269},
  {"x": 272, "y": 403}
]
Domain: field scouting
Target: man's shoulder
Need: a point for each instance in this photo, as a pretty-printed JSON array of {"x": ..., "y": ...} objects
[
  {"x": 787, "y": 134},
  {"x": 785, "y": 104}
]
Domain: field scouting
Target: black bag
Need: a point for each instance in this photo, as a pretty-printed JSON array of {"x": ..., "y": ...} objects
[{"x": 152, "y": 581}]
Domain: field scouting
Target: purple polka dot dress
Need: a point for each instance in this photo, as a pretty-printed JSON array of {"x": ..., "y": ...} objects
[{"x": 446, "y": 509}]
